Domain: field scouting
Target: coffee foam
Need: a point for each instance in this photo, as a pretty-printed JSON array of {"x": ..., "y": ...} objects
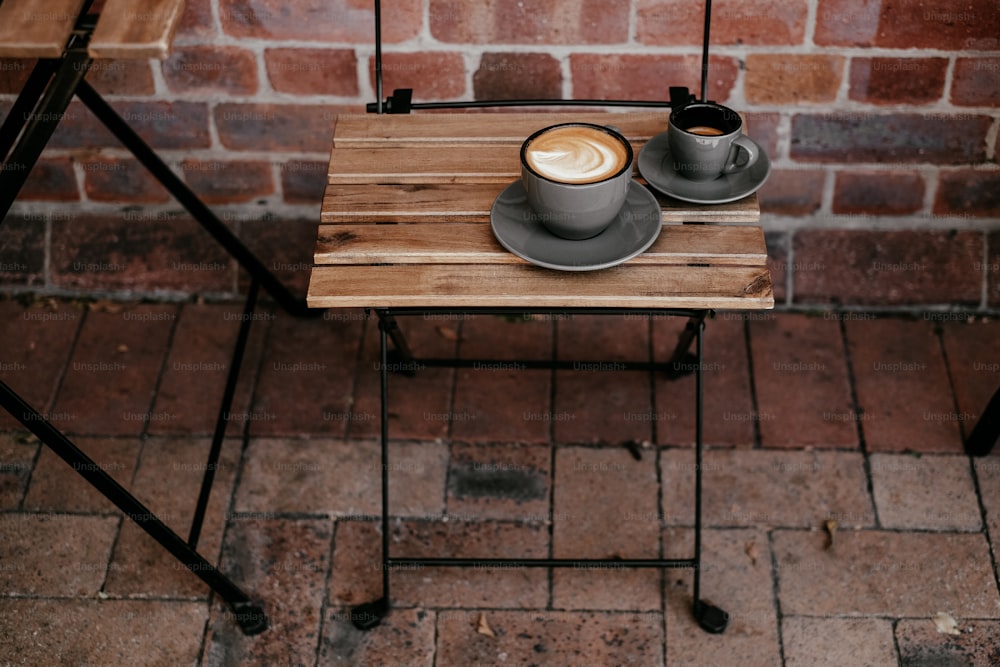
[{"x": 575, "y": 154}]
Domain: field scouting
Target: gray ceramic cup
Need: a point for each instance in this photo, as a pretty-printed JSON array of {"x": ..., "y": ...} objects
[
  {"x": 577, "y": 210},
  {"x": 706, "y": 140}
]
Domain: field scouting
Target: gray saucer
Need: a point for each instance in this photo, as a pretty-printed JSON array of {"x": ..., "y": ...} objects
[
  {"x": 655, "y": 165},
  {"x": 632, "y": 231}
]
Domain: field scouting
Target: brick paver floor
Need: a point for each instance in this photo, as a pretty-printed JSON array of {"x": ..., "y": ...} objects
[{"x": 843, "y": 523}]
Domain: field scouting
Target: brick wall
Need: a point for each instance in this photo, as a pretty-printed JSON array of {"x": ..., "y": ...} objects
[{"x": 881, "y": 118}]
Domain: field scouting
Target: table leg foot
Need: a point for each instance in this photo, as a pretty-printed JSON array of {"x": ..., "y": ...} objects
[
  {"x": 710, "y": 618},
  {"x": 369, "y": 614},
  {"x": 251, "y": 618}
]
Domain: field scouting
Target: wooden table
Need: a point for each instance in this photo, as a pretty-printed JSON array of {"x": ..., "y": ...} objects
[{"x": 405, "y": 230}]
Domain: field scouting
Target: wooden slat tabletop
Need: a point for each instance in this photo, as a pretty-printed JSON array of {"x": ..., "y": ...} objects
[
  {"x": 406, "y": 222},
  {"x": 36, "y": 28}
]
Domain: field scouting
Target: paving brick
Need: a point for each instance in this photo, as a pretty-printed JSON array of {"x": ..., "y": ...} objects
[
  {"x": 405, "y": 637},
  {"x": 795, "y": 192},
  {"x": 866, "y": 267},
  {"x": 595, "y": 400},
  {"x": 217, "y": 69},
  {"x": 966, "y": 192},
  {"x": 784, "y": 78},
  {"x": 274, "y": 127},
  {"x": 525, "y": 413},
  {"x": 508, "y": 481},
  {"x": 988, "y": 478},
  {"x": 198, "y": 363},
  {"x": 760, "y": 488},
  {"x": 973, "y": 353},
  {"x": 168, "y": 481},
  {"x": 357, "y": 565},
  {"x": 920, "y": 643},
  {"x": 51, "y": 179},
  {"x": 37, "y": 342},
  {"x": 313, "y": 71},
  {"x": 889, "y": 138},
  {"x": 102, "y": 632},
  {"x": 306, "y": 378},
  {"x": 517, "y": 76},
  {"x": 892, "y": 81},
  {"x": 227, "y": 182},
  {"x": 884, "y": 573},
  {"x": 303, "y": 181},
  {"x": 109, "y": 385},
  {"x": 902, "y": 387},
  {"x": 54, "y": 555},
  {"x": 283, "y": 564},
  {"x": 801, "y": 383},
  {"x": 433, "y": 75},
  {"x": 727, "y": 409},
  {"x": 58, "y": 487},
  {"x": 878, "y": 193},
  {"x": 318, "y": 21},
  {"x": 831, "y": 642},
  {"x": 550, "y": 638},
  {"x": 736, "y": 576},
  {"x": 623, "y": 76},
  {"x": 121, "y": 179},
  {"x": 121, "y": 77},
  {"x": 510, "y": 22},
  {"x": 907, "y": 24},
  {"x": 17, "y": 461},
  {"x": 163, "y": 125},
  {"x": 926, "y": 493},
  {"x": 756, "y": 22},
  {"x": 133, "y": 250},
  {"x": 22, "y": 257}
]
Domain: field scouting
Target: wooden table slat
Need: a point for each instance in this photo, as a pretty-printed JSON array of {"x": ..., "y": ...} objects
[
  {"x": 136, "y": 29},
  {"x": 486, "y": 164},
  {"x": 471, "y": 202},
  {"x": 36, "y": 28},
  {"x": 467, "y": 243},
  {"x": 513, "y": 285}
]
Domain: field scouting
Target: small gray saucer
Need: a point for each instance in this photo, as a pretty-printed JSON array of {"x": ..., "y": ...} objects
[
  {"x": 631, "y": 232},
  {"x": 655, "y": 165}
]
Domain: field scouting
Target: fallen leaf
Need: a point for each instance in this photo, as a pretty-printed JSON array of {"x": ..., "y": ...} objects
[
  {"x": 103, "y": 306},
  {"x": 446, "y": 332},
  {"x": 946, "y": 623},
  {"x": 752, "y": 551},
  {"x": 482, "y": 627},
  {"x": 122, "y": 347},
  {"x": 831, "y": 531}
]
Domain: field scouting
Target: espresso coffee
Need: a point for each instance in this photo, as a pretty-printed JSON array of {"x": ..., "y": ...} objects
[
  {"x": 576, "y": 154},
  {"x": 705, "y": 131}
]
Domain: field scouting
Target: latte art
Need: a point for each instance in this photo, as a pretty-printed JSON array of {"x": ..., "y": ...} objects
[{"x": 576, "y": 154}]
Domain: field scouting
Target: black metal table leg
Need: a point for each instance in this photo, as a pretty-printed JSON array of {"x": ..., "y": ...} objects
[
  {"x": 986, "y": 432},
  {"x": 682, "y": 361}
]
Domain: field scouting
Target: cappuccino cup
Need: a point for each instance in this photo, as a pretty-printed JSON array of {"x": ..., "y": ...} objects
[
  {"x": 706, "y": 140},
  {"x": 576, "y": 177}
]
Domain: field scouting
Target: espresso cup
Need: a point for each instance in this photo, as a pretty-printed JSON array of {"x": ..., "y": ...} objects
[
  {"x": 706, "y": 140},
  {"x": 576, "y": 177}
]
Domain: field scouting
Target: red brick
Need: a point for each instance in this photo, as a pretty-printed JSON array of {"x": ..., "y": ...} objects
[
  {"x": 136, "y": 250},
  {"x": 217, "y": 182},
  {"x": 14, "y": 72},
  {"x": 517, "y": 76},
  {"x": 992, "y": 269},
  {"x": 878, "y": 193},
  {"x": 890, "y": 138},
  {"x": 313, "y": 71},
  {"x": 51, "y": 179},
  {"x": 319, "y": 20},
  {"x": 121, "y": 77},
  {"x": 792, "y": 192},
  {"x": 170, "y": 125},
  {"x": 303, "y": 182},
  {"x": 274, "y": 127},
  {"x": 892, "y": 81},
  {"x": 950, "y": 24},
  {"x": 121, "y": 180},
  {"x": 648, "y": 77},
  {"x": 430, "y": 75},
  {"x": 196, "y": 21},
  {"x": 777, "y": 262},
  {"x": 214, "y": 69},
  {"x": 762, "y": 127},
  {"x": 515, "y": 22},
  {"x": 784, "y": 78},
  {"x": 968, "y": 193},
  {"x": 976, "y": 82},
  {"x": 759, "y": 22},
  {"x": 888, "y": 267}
]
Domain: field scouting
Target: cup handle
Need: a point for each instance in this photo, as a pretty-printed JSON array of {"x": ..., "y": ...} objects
[{"x": 741, "y": 144}]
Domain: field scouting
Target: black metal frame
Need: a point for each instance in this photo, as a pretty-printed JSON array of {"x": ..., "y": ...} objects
[
  {"x": 368, "y": 615},
  {"x": 24, "y": 134}
]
